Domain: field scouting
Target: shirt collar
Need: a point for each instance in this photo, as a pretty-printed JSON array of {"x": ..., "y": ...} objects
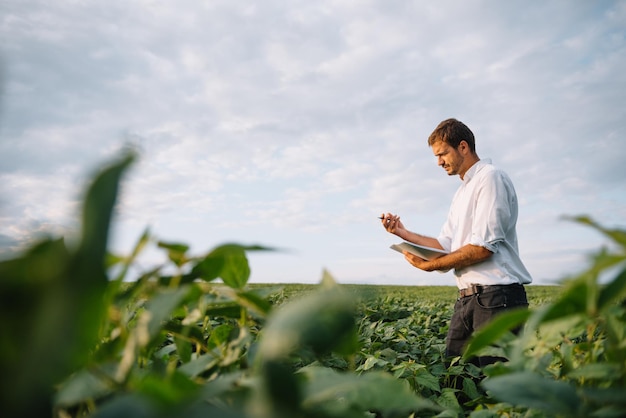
[{"x": 469, "y": 174}]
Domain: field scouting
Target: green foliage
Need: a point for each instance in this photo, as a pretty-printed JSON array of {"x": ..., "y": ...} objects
[
  {"x": 80, "y": 338},
  {"x": 51, "y": 306}
]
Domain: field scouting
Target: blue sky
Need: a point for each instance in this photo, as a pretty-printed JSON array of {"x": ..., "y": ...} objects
[{"x": 295, "y": 124}]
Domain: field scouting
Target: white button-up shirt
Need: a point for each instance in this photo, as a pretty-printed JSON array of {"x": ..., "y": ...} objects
[{"x": 484, "y": 213}]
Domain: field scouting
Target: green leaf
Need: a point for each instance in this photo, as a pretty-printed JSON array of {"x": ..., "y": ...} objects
[
  {"x": 160, "y": 306},
  {"x": 613, "y": 291},
  {"x": 228, "y": 262},
  {"x": 52, "y": 304},
  {"x": 603, "y": 371},
  {"x": 497, "y": 328},
  {"x": 224, "y": 309},
  {"x": 616, "y": 338},
  {"x": 322, "y": 321},
  {"x": 127, "y": 406},
  {"x": 200, "y": 364},
  {"x": 339, "y": 394},
  {"x": 281, "y": 388},
  {"x": 183, "y": 348},
  {"x": 224, "y": 383},
  {"x": 97, "y": 212},
  {"x": 252, "y": 301},
  {"x": 613, "y": 396},
  {"x": 470, "y": 389},
  {"x": 573, "y": 301},
  {"x": 427, "y": 380},
  {"x": 448, "y": 399},
  {"x": 221, "y": 334},
  {"x": 372, "y": 362},
  {"x": 83, "y": 386},
  {"x": 140, "y": 406},
  {"x": 188, "y": 332},
  {"x": 168, "y": 391},
  {"x": 554, "y": 332},
  {"x": 45, "y": 262},
  {"x": 176, "y": 252},
  {"x": 531, "y": 390}
]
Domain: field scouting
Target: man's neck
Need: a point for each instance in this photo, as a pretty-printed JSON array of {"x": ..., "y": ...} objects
[{"x": 473, "y": 159}]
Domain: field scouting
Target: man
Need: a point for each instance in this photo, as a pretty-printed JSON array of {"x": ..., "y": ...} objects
[{"x": 479, "y": 234}]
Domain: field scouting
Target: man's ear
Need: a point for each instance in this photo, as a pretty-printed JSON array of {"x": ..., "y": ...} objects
[{"x": 464, "y": 148}]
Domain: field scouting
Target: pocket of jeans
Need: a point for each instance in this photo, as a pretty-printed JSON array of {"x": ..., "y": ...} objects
[
  {"x": 492, "y": 300},
  {"x": 502, "y": 299}
]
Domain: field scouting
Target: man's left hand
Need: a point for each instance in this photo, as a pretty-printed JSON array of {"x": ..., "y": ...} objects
[{"x": 418, "y": 262}]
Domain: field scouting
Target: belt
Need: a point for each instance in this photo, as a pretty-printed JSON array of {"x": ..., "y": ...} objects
[{"x": 477, "y": 289}]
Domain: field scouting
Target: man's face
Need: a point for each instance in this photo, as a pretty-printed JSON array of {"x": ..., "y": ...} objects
[{"x": 449, "y": 158}]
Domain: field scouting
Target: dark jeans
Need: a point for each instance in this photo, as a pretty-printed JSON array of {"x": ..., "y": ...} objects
[{"x": 471, "y": 312}]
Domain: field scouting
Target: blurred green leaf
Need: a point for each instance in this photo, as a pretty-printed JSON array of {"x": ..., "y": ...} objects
[
  {"x": 140, "y": 406},
  {"x": 128, "y": 405},
  {"x": 554, "y": 332},
  {"x": 176, "y": 252},
  {"x": 88, "y": 264},
  {"x": 221, "y": 334},
  {"x": 613, "y": 291},
  {"x": 322, "y": 321},
  {"x": 183, "y": 348},
  {"x": 228, "y": 262},
  {"x": 607, "y": 396},
  {"x": 224, "y": 309},
  {"x": 616, "y": 336},
  {"x": 253, "y": 302},
  {"x": 281, "y": 389},
  {"x": 492, "y": 332},
  {"x": 200, "y": 364},
  {"x": 44, "y": 262},
  {"x": 334, "y": 394},
  {"x": 161, "y": 305},
  {"x": 83, "y": 386},
  {"x": 573, "y": 301},
  {"x": 188, "y": 332},
  {"x": 167, "y": 391},
  {"x": 597, "y": 371},
  {"x": 531, "y": 390},
  {"x": 58, "y": 308}
]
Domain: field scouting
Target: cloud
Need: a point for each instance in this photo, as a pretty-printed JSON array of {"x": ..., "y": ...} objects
[{"x": 298, "y": 122}]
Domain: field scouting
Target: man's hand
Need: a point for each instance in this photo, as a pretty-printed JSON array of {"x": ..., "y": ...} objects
[
  {"x": 392, "y": 224},
  {"x": 418, "y": 262}
]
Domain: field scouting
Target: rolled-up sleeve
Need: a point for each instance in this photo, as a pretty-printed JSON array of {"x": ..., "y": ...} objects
[{"x": 492, "y": 213}]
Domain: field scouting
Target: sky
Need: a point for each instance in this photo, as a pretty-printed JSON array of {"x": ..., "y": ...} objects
[{"x": 295, "y": 124}]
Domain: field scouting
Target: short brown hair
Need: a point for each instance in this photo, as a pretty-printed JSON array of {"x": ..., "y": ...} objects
[{"x": 452, "y": 132}]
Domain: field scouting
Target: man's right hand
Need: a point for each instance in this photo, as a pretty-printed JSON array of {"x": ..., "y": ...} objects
[{"x": 392, "y": 224}]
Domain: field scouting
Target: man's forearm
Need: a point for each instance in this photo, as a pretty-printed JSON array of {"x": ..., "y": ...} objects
[
  {"x": 463, "y": 257},
  {"x": 422, "y": 240}
]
